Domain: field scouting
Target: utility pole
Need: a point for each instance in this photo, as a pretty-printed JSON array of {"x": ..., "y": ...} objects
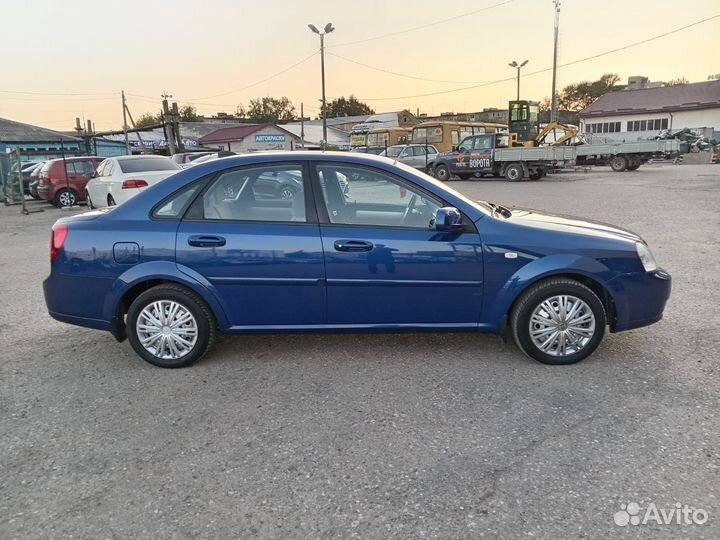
[
  {"x": 328, "y": 28},
  {"x": 553, "y": 98},
  {"x": 169, "y": 123},
  {"x": 125, "y": 126},
  {"x": 302, "y": 126}
]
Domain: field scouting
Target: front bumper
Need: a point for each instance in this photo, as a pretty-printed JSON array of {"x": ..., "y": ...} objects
[{"x": 640, "y": 298}]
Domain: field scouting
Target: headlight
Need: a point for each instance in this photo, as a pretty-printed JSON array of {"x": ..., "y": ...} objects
[{"x": 646, "y": 258}]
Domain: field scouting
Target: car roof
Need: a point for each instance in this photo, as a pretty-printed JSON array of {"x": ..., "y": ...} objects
[
  {"x": 142, "y": 156},
  {"x": 74, "y": 158}
]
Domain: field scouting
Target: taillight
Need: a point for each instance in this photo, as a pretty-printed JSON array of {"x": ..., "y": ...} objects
[
  {"x": 57, "y": 240},
  {"x": 134, "y": 184}
]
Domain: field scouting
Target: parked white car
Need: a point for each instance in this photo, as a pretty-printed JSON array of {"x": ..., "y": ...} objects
[{"x": 118, "y": 179}]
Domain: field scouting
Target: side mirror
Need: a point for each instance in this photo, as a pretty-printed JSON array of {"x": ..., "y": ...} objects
[
  {"x": 454, "y": 148},
  {"x": 448, "y": 219}
]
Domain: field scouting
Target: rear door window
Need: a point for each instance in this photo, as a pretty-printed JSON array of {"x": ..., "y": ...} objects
[{"x": 272, "y": 194}]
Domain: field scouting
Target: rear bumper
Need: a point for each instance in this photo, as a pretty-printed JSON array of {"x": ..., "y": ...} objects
[
  {"x": 46, "y": 192},
  {"x": 640, "y": 298},
  {"x": 75, "y": 301}
]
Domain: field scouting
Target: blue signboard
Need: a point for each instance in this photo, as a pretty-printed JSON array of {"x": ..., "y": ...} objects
[{"x": 270, "y": 138}]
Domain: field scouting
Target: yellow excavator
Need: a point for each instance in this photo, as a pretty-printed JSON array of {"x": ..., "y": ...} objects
[{"x": 525, "y": 130}]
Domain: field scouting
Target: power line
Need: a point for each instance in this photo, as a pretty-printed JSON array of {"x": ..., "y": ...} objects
[
  {"x": 296, "y": 64},
  {"x": 399, "y": 74},
  {"x": 545, "y": 70},
  {"x": 413, "y": 29}
]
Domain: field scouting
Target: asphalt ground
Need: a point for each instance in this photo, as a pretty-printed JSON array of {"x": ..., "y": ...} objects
[{"x": 374, "y": 436}]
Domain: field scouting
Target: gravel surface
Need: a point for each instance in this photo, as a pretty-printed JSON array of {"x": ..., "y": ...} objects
[{"x": 377, "y": 436}]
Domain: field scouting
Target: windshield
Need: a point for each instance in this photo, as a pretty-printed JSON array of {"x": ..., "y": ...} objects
[
  {"x": 147, "y": 164},
  {"x": 394, "y": 151}
]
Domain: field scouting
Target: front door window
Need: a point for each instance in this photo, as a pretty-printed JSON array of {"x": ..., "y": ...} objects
[{"x": 363, "y": 196}]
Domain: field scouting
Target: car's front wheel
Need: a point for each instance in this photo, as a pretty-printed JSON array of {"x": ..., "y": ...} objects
[
  {"x": 170, "y": 326},
  {"x": 558, "y": 321},
  {"x": 441, "y": 172}
]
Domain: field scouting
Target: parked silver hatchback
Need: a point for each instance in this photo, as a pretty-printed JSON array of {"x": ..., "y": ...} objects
[{"x": 418, "y": 156}]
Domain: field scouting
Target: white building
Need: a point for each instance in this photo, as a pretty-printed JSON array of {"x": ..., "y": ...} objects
[
  {"x": 628, "y": 115},
  {"x": 245, "y": 138}
]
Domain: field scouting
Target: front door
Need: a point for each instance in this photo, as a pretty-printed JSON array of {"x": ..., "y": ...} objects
[
  {"x": 258, "y": 247},
  {"x": 385, "y": 262}
]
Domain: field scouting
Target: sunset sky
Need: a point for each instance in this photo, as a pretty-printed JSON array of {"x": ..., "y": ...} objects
[{"x": 64, "y": 59}]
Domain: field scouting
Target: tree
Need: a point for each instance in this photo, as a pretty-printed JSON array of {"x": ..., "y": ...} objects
[
  {"x": 269, "y": 110},
  {"x": 149, "y": 119},
  {"x": 675, "y": 82},
  {"x": 576, "y": 97},
  {"x": 188, "y": 113},
  {"x": 240, "y": 112},
  {"x": 349, "y": 106}
]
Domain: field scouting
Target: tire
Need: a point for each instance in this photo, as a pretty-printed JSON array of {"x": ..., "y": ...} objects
[
  {"x": 633, "y": 167},
  {"x": 590, "y": 334},
  {"x": 176, "y": 355},
  {"x": 514, "y": 172},
  {"x": 618, "y": 163},
  {"x": 464, "y": 176},
  {"x": 89, "y": 201},
  {"x": 287, "y": 193},
  {"x": 536, "y": 175},
  {"x": 34, "y": 193},
  {"x": 441, "y": 172},
  {"x": 111, "y": 201},
  {"x": 65, "y": 198}
]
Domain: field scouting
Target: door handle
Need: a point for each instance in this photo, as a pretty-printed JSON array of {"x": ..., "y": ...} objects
[
  {"x": 206, "y": 241},
  {"x": 353, "y": 245}
]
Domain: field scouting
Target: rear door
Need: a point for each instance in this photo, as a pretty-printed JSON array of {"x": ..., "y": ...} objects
[
  {"x": 76, "y": 179},
  {"x": 261, "y": 254}
]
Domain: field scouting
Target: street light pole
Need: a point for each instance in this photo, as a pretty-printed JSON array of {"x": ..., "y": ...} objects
[
  {"x": 553, "y": 98},
  {"x": 328, "y": 29},
  {"x": 517, "y": 66}
]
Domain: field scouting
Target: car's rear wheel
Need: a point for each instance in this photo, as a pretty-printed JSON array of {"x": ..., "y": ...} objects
[
  {"x": 89, "y": 200},
  {"x": 111, "y": 201},
  {"x": 442, "y": 172},
  {"x": 558, "y": 321},
  {"x": 66, "y": 198},
  {"x": 170, "y": 326},
  {"x": 514, "y": 172},
  {"x": 618, "y": 163}
]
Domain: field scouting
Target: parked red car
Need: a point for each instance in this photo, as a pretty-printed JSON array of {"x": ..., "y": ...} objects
[{"x": 62, "y": 181}]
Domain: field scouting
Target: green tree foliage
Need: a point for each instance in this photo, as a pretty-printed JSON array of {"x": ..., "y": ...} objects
[
  {"x": 675, "y": 82},
  {"x": 575, "y": 97},
  {"x": 269, "y": 110},
  {"x": 188, "y": 113},
  {"x": 240, "y": 112},
  {"x": 349, "y": 106},
  {"x": 149, "y": 119}
]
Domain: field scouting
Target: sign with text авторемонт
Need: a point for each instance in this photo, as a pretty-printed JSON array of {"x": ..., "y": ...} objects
[{"x": 269, "y": 138}]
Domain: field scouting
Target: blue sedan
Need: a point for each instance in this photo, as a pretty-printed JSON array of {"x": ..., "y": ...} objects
[{"x": 361, "y": 244}]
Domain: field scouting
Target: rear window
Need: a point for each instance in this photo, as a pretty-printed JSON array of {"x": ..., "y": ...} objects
[{"x": 147, "y": 164}]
